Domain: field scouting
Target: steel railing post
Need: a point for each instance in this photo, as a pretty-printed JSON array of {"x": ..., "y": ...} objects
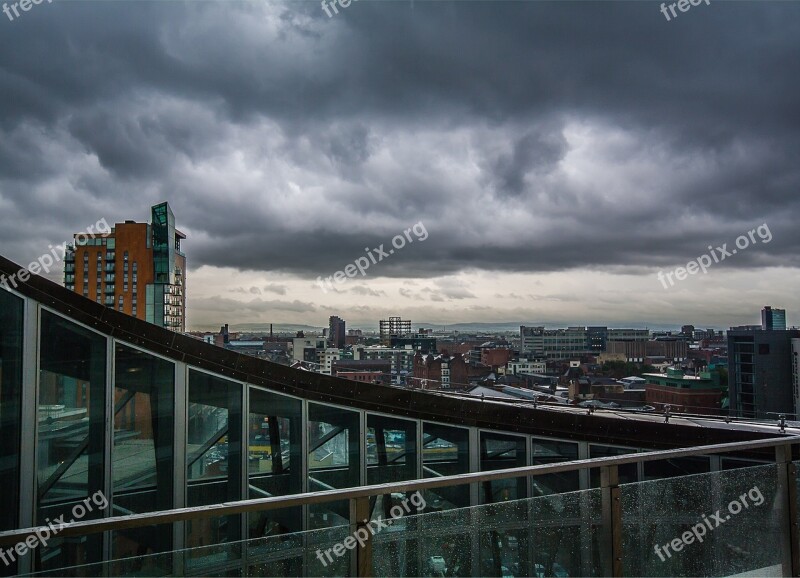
[
  {"x": 361, "y": 555},
  {"x": 611, "y": 504},
  {"x": 787, "y": 490}
]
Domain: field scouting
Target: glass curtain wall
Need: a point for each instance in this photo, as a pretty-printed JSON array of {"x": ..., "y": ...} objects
[
  {"x": 275, "y": 460},
  {"x": 214, "y": 456},
  {"x": 143, "y": 454},
  {"x": 71, "y": 437},
  {"x": 334, "y": 460},
  {"x": 11, "y": 319}
]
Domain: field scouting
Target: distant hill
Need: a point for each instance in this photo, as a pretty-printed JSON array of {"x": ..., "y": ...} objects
[{"x": 262, "y": 328}]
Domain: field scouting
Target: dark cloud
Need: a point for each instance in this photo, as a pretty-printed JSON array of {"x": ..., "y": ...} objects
[{"x": 527, "y": 136}]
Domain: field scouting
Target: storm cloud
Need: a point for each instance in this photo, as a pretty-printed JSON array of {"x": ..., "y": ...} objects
[{"x": 573, "y": 138}]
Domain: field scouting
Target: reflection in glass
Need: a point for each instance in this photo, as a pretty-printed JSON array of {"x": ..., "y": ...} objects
[
  {"x": 445, "y": 452},
  {"x": 11, "y": 309},
  {"x": 214, "y": 454},
  {"x": 71, "y": 434},
  {"x": 628, "y": 473},
  {"x": 142, "y": 458},
  {"x": 333, "y": 460},
  {"x": 500, "y": 452},
  {"x": 545, "y": 452},
  {"x": 275, "y": 466}
]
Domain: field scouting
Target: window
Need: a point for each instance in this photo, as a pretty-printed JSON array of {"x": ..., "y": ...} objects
[
  {"x": 72, "y": 396},
  {"x": 445, "y": 452},
  {"x": 275, "y": 459},
  {"x": 333, "y": 459},
  {"x": 141, "y": 461},
  {"x": 499, "y": 452},
  {"x": 215, "y": 459},
  {"x": 11, "y": 309}
]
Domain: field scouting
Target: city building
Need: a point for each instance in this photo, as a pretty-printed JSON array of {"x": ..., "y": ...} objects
[
  {"x": 495, "y": 357},
  {"x": 439, "y": 372},
  {"x": 326, "y": 358},
  {"x": 573, "y": 342},
  {"x": 760, "y": 372},
  {"x": 527, "y": 366},
  {"x": 596, "y": 338},
  {"x": 531, "y": 341},
  {"x": 393, "y": 327},
  {"x": 670, "y": 350},
  {"x": 796, "y": 374},
  {"x": 628, "y": 335},
  {"x": 421, "y": 342},
  {"x": 137, "y": 268},
  {"x": 773, "y": 319},
  {"x": 308, "y": 349},
  {"x": 402, "y": 359},
  {"x": 703, "y": 394},
  {"x": 337, "y": 332}
]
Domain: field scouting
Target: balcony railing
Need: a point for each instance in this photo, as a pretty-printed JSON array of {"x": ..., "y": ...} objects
[{"x": 718, "y": 523}]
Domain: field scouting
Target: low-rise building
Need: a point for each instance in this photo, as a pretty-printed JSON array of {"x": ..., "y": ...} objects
[
  {"x": 687, "y": 393},
  {"x": 518, "y": 366}
]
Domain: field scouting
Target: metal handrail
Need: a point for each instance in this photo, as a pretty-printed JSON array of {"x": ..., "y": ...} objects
[{"x": 84, "y": 527}]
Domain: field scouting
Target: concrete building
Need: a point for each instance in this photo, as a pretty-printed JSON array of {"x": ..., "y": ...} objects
[
  {"x": 520, "y": 366},
  {"x": 760, "y": 372},
  {"x": 336, "y": 332},
  {"x": 671, "y": 350},
  {"x": 686, "y": 393},
  {"x": 393, "y": 327},
  {"x": 796, "y": 374},
  {"x": 573, "y": 342},
  {"x": 421, "y": 342},
  {"x": 773, "y": 319},
  {"x": 137, "y": 268},
  {"x": 402, "y": 360},
  {"x": 307, "y": 349},
  {"x": 628, "y": 335},
  {"x": 326, "y": 359}
]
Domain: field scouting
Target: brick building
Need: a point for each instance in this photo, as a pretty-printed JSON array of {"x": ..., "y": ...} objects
[
  {"x": 137, "y": 268},
  {"x": 439, "y": 372}
]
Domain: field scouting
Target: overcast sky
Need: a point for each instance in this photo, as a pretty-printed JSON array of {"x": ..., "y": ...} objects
[{"x": 558, "y": 154}]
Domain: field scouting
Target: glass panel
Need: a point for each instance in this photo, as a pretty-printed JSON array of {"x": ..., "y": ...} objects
[
  {"x": 545, "y": 452},
  {"x": 71, "y": 437},
  {"x": 500, "y": 452},
  {"x": 445, "y": 452},
  {"x": 391, "y": 457},
  {"x": 214, "y": 454},
  {"x": 11, "y": 312},
  {"x": 676, "y": 467},
  {"x": 716, "y": 524},
  {"x": 275, "y": 458},
  {"x": 142, "y": 458},
  {"x": 333, "y": 460},
  {"x": 628, "y": 473},
  {"x": 298, "y": 554},
  {"x": 554, "y": 535},
  {"x": 11, "y": 326}
]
